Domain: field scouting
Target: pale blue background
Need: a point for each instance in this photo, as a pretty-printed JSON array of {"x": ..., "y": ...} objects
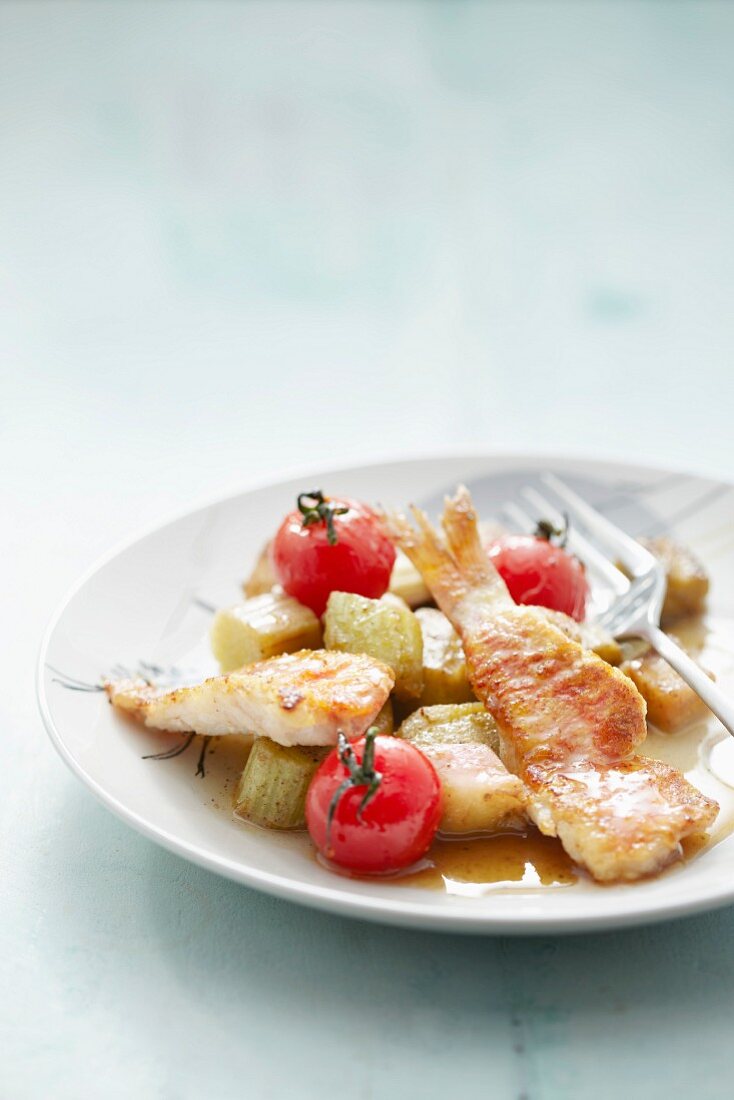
[{"x": 237, "y": 238}]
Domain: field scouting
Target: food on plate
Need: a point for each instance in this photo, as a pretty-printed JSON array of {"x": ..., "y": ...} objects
[
  {"x": 301, "y": 698},
  {"x": 479, "y": 794},
  {"x": 262, "y": 578},
  {"x": 687, "y": 583},
  {"x": 273, "y": 786},
  {"x": 263, "y": 626},
  {"x": 407, "y": 583},
  {"x": 405, "y": 580},
  {"x": 588, "y": 635},
  {"x": 444, "y": 675},
  {"x": 374, "y": 805},
  {"x": 509, "y": 709},
  {"x": 331, "y": 544},
  {"x": 623, "y": 820},
  {"x": 569, "y": 723},
  {"x": 671, "y": 703},
  {"x": 594, "y": 637},
  {"x": 454, "y": 724},
  {"x": 386, "y": 629},
  {"x": 541, "y": 572},
  {"x": 384, "y": 720}
]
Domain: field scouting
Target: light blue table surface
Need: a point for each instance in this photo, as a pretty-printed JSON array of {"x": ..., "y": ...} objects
[{"x": 236, "y": 238}]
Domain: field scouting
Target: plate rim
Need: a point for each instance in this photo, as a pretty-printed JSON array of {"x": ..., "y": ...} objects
[{"x": 452, "y": 919}]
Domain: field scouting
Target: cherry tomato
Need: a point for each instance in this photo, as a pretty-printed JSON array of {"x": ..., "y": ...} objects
[
  {"x": 374, "y": 806},
  {"x": 331, "y": 544},
  {"x": 537, "y": 571}
]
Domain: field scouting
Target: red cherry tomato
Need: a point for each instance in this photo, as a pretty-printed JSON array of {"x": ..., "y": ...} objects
[
  {"x": 331, "y": 544},
  {"x": 390, "y": 828},
  {"x": 538, "y": 572}
]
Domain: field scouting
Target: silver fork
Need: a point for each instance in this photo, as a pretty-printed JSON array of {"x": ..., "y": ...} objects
[{"x": 632, "y": 604}]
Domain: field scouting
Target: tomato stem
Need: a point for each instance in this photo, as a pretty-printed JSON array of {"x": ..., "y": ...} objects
[
  {"x": 360, "y": 775},
  {"x": 315, "y": 508},
  {"x": 548, "y": 531}
]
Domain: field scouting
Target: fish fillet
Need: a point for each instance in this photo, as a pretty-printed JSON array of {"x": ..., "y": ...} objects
[
  {"x": 569, "y": 723},
  {"x": 302, "y": 698}
]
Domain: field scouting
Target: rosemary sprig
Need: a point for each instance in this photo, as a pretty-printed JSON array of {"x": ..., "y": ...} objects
[
  {"x": 315, "y": 508},
  {"x": 169, "y": 754}
]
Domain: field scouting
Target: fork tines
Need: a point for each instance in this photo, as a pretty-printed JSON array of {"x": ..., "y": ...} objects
[{"x": 598, "y": 543}]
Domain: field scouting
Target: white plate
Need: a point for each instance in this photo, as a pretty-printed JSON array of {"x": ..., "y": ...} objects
[{"x": 142, "y": 604}]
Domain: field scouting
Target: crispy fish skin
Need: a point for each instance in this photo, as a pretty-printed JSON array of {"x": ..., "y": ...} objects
[
  {"x": 560, "y": 702},
  {"x": 569, "y": 723},
  {"x": 553, "y": 699},
  {"x": 622, "y": 822},
  {"x": 302, "y": 698}
]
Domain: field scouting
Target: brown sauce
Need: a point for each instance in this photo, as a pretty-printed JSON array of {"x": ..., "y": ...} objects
[
  {"x": 506, "y": 861},
  {"x": 225, "y": 761}
]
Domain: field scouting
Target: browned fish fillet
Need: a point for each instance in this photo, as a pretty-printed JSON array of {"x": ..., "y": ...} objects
[
  {"x": 302, "y": 698},
  {"x": 569, "y": 723}
]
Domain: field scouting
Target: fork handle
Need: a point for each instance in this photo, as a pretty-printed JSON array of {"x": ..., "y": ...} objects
[{"x": 693, "y": 674}]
